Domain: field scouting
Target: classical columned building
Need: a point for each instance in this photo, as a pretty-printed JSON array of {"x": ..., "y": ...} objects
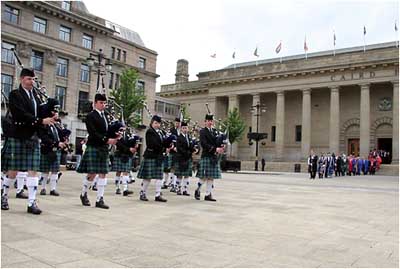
[{"x": 343, "y": 103}]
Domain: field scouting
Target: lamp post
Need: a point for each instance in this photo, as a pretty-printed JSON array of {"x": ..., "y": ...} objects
[
  {"x": 258, "y": 109},
  {"x": 103, "y": 64}
]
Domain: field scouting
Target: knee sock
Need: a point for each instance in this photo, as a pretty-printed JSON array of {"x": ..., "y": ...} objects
[
  {"x": 165, "y": 179},
  {"x": 53, "y": 181},
  {"x": 20, "y": 181},
  {"x": 6, "y": 185},
  {"x": 44, "y": 180},
  {"x": 158, "y": 187},
  {"x": 32, "y": 183},
  {"x": 125, "y": 180},
  {"x": 178, "y": 183},
  {"x": 210, "y": 183},
  {"x": 145, "y": 185},
  {"x": 185, "y": 183},
  {"x": 200, "y": 183},
  {"x": 85, "y": 185},
  {"x": 117, "y": 181},
  {"x": 101, "y": 185}
]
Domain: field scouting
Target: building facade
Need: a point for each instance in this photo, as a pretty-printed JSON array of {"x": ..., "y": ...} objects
[
  {"x": 342, "y": 103},
  {"x": 56, "y": 38}
]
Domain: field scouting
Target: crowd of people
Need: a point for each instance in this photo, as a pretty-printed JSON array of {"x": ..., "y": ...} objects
[{"x": 328, "y": 164}]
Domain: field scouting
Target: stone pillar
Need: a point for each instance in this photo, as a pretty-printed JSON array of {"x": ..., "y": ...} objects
[
  {"x": 280, "y": 125},
  {"x": 364, "y": 120},
  {"x": 395, "y": 107},
  {"x": 256, "y": 100},
  {"x": 334, "y": 119},
  {"x": 306, "y": 124},
  {"x": 234, "y": 148}
]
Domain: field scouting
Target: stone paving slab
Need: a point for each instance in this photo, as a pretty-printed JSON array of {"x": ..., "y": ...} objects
[{"x": 260, "y": 220}]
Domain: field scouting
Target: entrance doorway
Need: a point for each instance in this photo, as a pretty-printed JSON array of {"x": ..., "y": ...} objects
[
  {"x": 385, "y": 145},
  {"x": 353, "y": 146}
]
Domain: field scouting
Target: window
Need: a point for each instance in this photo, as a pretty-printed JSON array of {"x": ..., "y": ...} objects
[
  {"x": 116, "y": 81},
  {"x": 298, "y": 133},
  {"x": 60, "y": 96},
  {"x": 6, "y": 84},
  {"x": 87, "y": 41},
  {"x": 85, "y": 73},
  {"x": 140, "y": 87},
  {"x": 142, "y": 63},
  {"x": 39, "y": 25},
  {"x": 112, "y": 53},
  {"x": 111, "y": 81},
  {"x": 62, "y": 67},
  {"x": 171, "y": 109},
  {"x": 11, "y": 14},
  {"x": 65, "y": 33},
  {"x": 37, "y": 60},
  {"x": 119, "y": 54},
  {"x": 159, "y": 106},
  {"x": 83, "y": 99},
  {"x": 7, "y": 55},
  {"x": 66, "y": 5},
  {"x": 124, "y": 56},
  {"x": 273, "y": 132}
]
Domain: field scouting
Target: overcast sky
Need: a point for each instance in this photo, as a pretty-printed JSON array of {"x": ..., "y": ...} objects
[{"x": 194, "y": 30}]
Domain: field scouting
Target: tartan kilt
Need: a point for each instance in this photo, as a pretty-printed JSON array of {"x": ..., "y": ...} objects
[
  {"x": 167, "y": 163},
  {"x": 95, "y": 160},
  {"x": 20, "y": 155},
  {"x": 181, "y": 171},
  {"x": 209, "y": 168},
  {"x": 119, "y": 166},
  {"x": 151, "y": 169},
  {"x": 47, "y": 165}
]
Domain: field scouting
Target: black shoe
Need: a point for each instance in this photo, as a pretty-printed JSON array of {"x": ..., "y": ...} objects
[
  {"x": 178, "y": 192},
  {"x": 21, "y": 195},
  {"x": 59, "y": 175},
  {"x": 118, "y": 191},
  {"x": 127, "y": 192},
  {"x": 101, "y": 204},
  {"x": 160, "y": 199},
  {"x": 34, "y": 209},
  {"x": 43, "y": 192},
  {"x": 185, "y": 193},
  {"x": 197, "y": 194},
  {"x": 85, "y": 201},
  {"x": 173, "y": 189},
  {"x": 54, "y": 193},
  {"x": 164, "y": 187},
  {"x": 143, "y": 197},
  {"x": 209, "y": 198},
  {"x": 4, "y": 203}
]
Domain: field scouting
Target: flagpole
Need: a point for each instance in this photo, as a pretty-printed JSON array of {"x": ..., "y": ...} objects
[{"x": 365, "y": 32}]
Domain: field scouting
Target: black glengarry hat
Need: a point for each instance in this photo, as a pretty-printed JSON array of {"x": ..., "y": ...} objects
[
  {"x": 27, "y": 72},
  {"x": 209, "y": 117},
  {"x": 177, "y": 119},
  {"x": 100, "y": 97},
  {"x": 184, "y": 123},
  {"x": 156, "y": 118}
]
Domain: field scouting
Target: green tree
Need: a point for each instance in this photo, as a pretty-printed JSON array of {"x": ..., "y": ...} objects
[
  {"x": 185, "y": 112},
  {"x": 236, "y": 126},
  {"x": 130, "y": 97}
]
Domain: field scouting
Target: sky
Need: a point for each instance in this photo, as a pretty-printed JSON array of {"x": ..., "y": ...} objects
[{"x": 194, "y": 30}]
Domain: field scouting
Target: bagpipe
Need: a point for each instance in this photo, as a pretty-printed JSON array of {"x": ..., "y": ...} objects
[{"x": 222, "y": 137}]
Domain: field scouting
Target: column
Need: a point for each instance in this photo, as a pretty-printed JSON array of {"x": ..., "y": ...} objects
[
  {"x": 234, "y": 148},
  {"x": 395, "y": 127},
  {"x": 256, "y": 100},
  {"x": 280, "y": 125},
  {"x": 364, "y": 121},
  {"x": 306, "y": 124},
  {"x": 334, "y": 118}
]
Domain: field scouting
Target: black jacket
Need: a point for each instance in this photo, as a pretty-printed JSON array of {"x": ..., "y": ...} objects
[
  {"x": 174, "y": 131},
  {"x": 154, "y": 146},
  {"x": 97, "y": 129},
  {"x": 208, "y": 142},
  {"x": 123, "y": 149},
  {"x": 24, "y": 122},
  {"x": 48, "y": 142},
  {"x": 184, "y": 150}
]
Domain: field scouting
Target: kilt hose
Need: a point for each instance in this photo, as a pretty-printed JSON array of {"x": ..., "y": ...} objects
[
  {"x": 21, "y": 155},
  {"x": 209, "y": 168},
  {"x": 183, "y": 169},
  {"x": 121, "y": 164},
  {"x": 167, "y": 163},
  {"x": 151, "y": 169},
  {"x": 95, "y": 160},
  {"x": 49, "y": 163}
]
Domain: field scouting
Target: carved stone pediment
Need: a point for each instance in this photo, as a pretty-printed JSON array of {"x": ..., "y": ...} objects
[
  {"x": 385, "y": 104},
  {"x": 24, "y": 50},
  {"x": 51, "y": 57}
]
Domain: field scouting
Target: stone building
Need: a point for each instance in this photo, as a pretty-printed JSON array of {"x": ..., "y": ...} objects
[
  {"x": 56, "y": 38},
  {"x": 342, "y": 103}
]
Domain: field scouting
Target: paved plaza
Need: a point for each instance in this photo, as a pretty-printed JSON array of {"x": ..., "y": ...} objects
[{"x": 260, "y": 220}]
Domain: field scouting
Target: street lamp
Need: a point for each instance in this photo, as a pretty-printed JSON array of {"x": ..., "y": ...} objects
[
  {"x": 103, "y": 64},
  {"x": 258, "y": 109}
]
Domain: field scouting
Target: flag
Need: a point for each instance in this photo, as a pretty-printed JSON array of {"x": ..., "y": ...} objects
[
  {"x": 365, "y": 30},
  {"x": 279, "y": 47},
  {"x": 305, "y": 45},
  {"x": 395, "y": 26},
  {"x": 234, "y": 55},
  {"x": 213, "y": 55},
  {"x": 334, "y": 38},
  {"x": 256, "y": 52}
]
